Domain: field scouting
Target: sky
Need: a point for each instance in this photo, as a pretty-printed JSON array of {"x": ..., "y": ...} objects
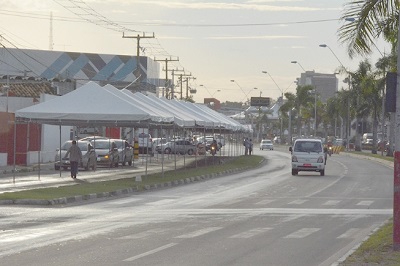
[{"x": 216, "y": 41}]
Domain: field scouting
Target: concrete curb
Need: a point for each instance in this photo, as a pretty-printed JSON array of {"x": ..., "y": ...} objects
[{"x": 80, "y": 198}]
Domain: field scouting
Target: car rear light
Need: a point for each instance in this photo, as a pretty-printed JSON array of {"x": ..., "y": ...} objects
[
  {"x": 320, "y": 159},
  {"x": 294, "y": 158}
]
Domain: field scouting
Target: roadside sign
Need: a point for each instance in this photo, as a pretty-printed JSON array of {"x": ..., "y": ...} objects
[{"x": 259, "y": 101}]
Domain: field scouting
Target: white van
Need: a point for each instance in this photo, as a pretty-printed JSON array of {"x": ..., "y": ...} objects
[{"x": 308, "y": 155}]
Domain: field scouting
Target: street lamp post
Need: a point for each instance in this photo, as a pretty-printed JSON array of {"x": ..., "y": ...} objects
[
  {"x": 295, "y": 62},
  {"x": 315, "y": 112},
  {"x": 281, "y": 118},
  {"x": 212, "y": 95},
  {"x": 349, "y": 82}
]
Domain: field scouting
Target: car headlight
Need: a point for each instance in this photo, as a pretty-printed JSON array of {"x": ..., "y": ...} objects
[
  {"x": 294, "y": 158},
  {"x": 320, "y": 159},
  {"x": 106, "y": 157}
]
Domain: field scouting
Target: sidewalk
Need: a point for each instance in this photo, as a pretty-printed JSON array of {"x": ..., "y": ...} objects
[{"x": 30, "y": 177}]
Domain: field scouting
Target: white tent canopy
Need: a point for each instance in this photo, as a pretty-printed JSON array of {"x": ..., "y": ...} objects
[
  {"x": 87, "y": 105},
  {"x": 180, "y": 118},
  {"x": 155, "y": 113},
  {"x": 93, "y": 105}
]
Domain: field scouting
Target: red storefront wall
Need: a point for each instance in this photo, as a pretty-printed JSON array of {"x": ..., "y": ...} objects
[{"x": 24, "y": 142}]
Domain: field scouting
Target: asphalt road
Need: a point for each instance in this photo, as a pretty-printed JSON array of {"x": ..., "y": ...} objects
[{"x": 264, "y": 216}]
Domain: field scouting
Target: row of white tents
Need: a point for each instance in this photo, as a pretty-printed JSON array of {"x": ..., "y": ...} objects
[{"x": 94, "y": 105}]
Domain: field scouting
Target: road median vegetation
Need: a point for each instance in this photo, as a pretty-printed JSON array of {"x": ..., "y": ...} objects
[{"x": 214, "y": 165}]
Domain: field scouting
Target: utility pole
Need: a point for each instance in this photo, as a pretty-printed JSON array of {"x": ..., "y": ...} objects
[
  {"x": 187, "y": 86},
  {"x": 166, "y": 60},
  {"x": 138, "y": 37},
  {"x": 181, "y": 81},
  {"x": 172, "y": 95}
]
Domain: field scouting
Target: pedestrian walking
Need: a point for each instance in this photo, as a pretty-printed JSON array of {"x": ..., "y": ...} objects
[
  {"x": 250, "y": 146},
  {"x": 75, "y": 156},
  {"x": 246, "y": 146}
]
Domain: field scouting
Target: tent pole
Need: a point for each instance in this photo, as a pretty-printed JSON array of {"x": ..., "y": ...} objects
[
  {"x": 39, "y": 149},
  {"x": 147, "y": 148},
  {"x": 162, "y": 153},
  {"x": 60, "y": 148},
  {"x": 15, "y": 147}
]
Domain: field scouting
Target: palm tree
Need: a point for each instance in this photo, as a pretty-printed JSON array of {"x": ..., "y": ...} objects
[
  {"x": 299, "y": 103},
  {"x": 374, "y": 19}
]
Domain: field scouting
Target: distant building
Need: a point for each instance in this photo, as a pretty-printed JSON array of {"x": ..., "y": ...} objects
[
  {"x": 31, "y": 76},
  {"x": 120, "y": 71},
  {"x": 325, "y": 84}
]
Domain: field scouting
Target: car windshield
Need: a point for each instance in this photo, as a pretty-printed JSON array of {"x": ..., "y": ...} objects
[
  {"x": 266, "y": 142},
  {"x": 104, "y": 145},
  {"x": 82, "y": 145},
  {"x": 308, "y": 146}
]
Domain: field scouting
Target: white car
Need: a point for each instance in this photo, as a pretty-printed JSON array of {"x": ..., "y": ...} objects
[
  {"x": 308, "y": 155},
  {"x": 266, "y": 144},
  {"x": 88, "y": 156}
]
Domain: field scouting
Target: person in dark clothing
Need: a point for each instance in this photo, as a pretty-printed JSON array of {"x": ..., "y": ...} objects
[{"x": 75, "y": 155}]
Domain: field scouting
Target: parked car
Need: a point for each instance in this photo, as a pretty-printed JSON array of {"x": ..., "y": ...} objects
[
  {"x": 92, "y": 138},
  {"x": 266, "y": 144},
  {"x": 125, "y": 151},
  {"x": 308, "y": 155},
  {"x": 107, "y": 152},
  {"x": 177, "y": 146},
  {"x": 145, "y": 143},
  {"x": 88, "y": 156}
]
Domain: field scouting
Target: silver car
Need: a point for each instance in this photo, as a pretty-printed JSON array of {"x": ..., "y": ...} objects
[
  {"x": 125, "y": 151},
  {"x": 177, "y": 146},
  {"x": 88, "y": 156},
  {"x": 107, "y": 152}
]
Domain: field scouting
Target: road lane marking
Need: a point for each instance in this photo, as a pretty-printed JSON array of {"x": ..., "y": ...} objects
[
  {"x": 303, "y": 233},
  {"x": 331, "y": 202},
  {"x": 161, "y": 202},
  {"x": 199, "y": 232},
  {"x": 349, "y": 233},
  {"x": 144, "y": 234},
  {"x": 265, "y": 202},
  {"x": 298, "y": 202},
  {"x": 251, "y": 233},
  {"x": 125, "y": 201},
  {"x": 365, "y": 203},
  {"x": 151, "y": 252}
]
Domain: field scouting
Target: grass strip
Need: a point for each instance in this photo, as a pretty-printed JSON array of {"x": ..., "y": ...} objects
[
  {"x": 86, "y": 188},
  {"x": 377, "y": 250}
]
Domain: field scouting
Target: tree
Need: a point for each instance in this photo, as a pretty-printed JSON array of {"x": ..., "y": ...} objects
[
  {"x": 373, "y": 19},
  {"x": 299, "y": 103}
]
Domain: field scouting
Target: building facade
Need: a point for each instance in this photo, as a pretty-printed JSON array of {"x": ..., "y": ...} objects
[{"x": 326, "y": 85}]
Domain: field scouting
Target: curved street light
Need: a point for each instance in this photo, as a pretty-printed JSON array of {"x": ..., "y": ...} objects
[{"x": 296, "y": 62}]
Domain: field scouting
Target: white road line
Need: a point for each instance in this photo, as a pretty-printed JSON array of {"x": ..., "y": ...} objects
[
  {"x": 365, "y": 203},
  {"x": 264, "y": 202},
  {"x": 302, "y": 233},
  {"x": 331, "y": 202},
  {"x": 298, "y": 202},
  {"x": 161, "y": 202},
  {"x": 349, "y": 233},
  {"x": 199, "y": 232},
  {"x": 144, "y": 234},
  {"x": 14, "y": 235},
  {"x": 151, "y": 252},
  {"x": 124, "y": 201},
  {"x": 251, "y": 233}
]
